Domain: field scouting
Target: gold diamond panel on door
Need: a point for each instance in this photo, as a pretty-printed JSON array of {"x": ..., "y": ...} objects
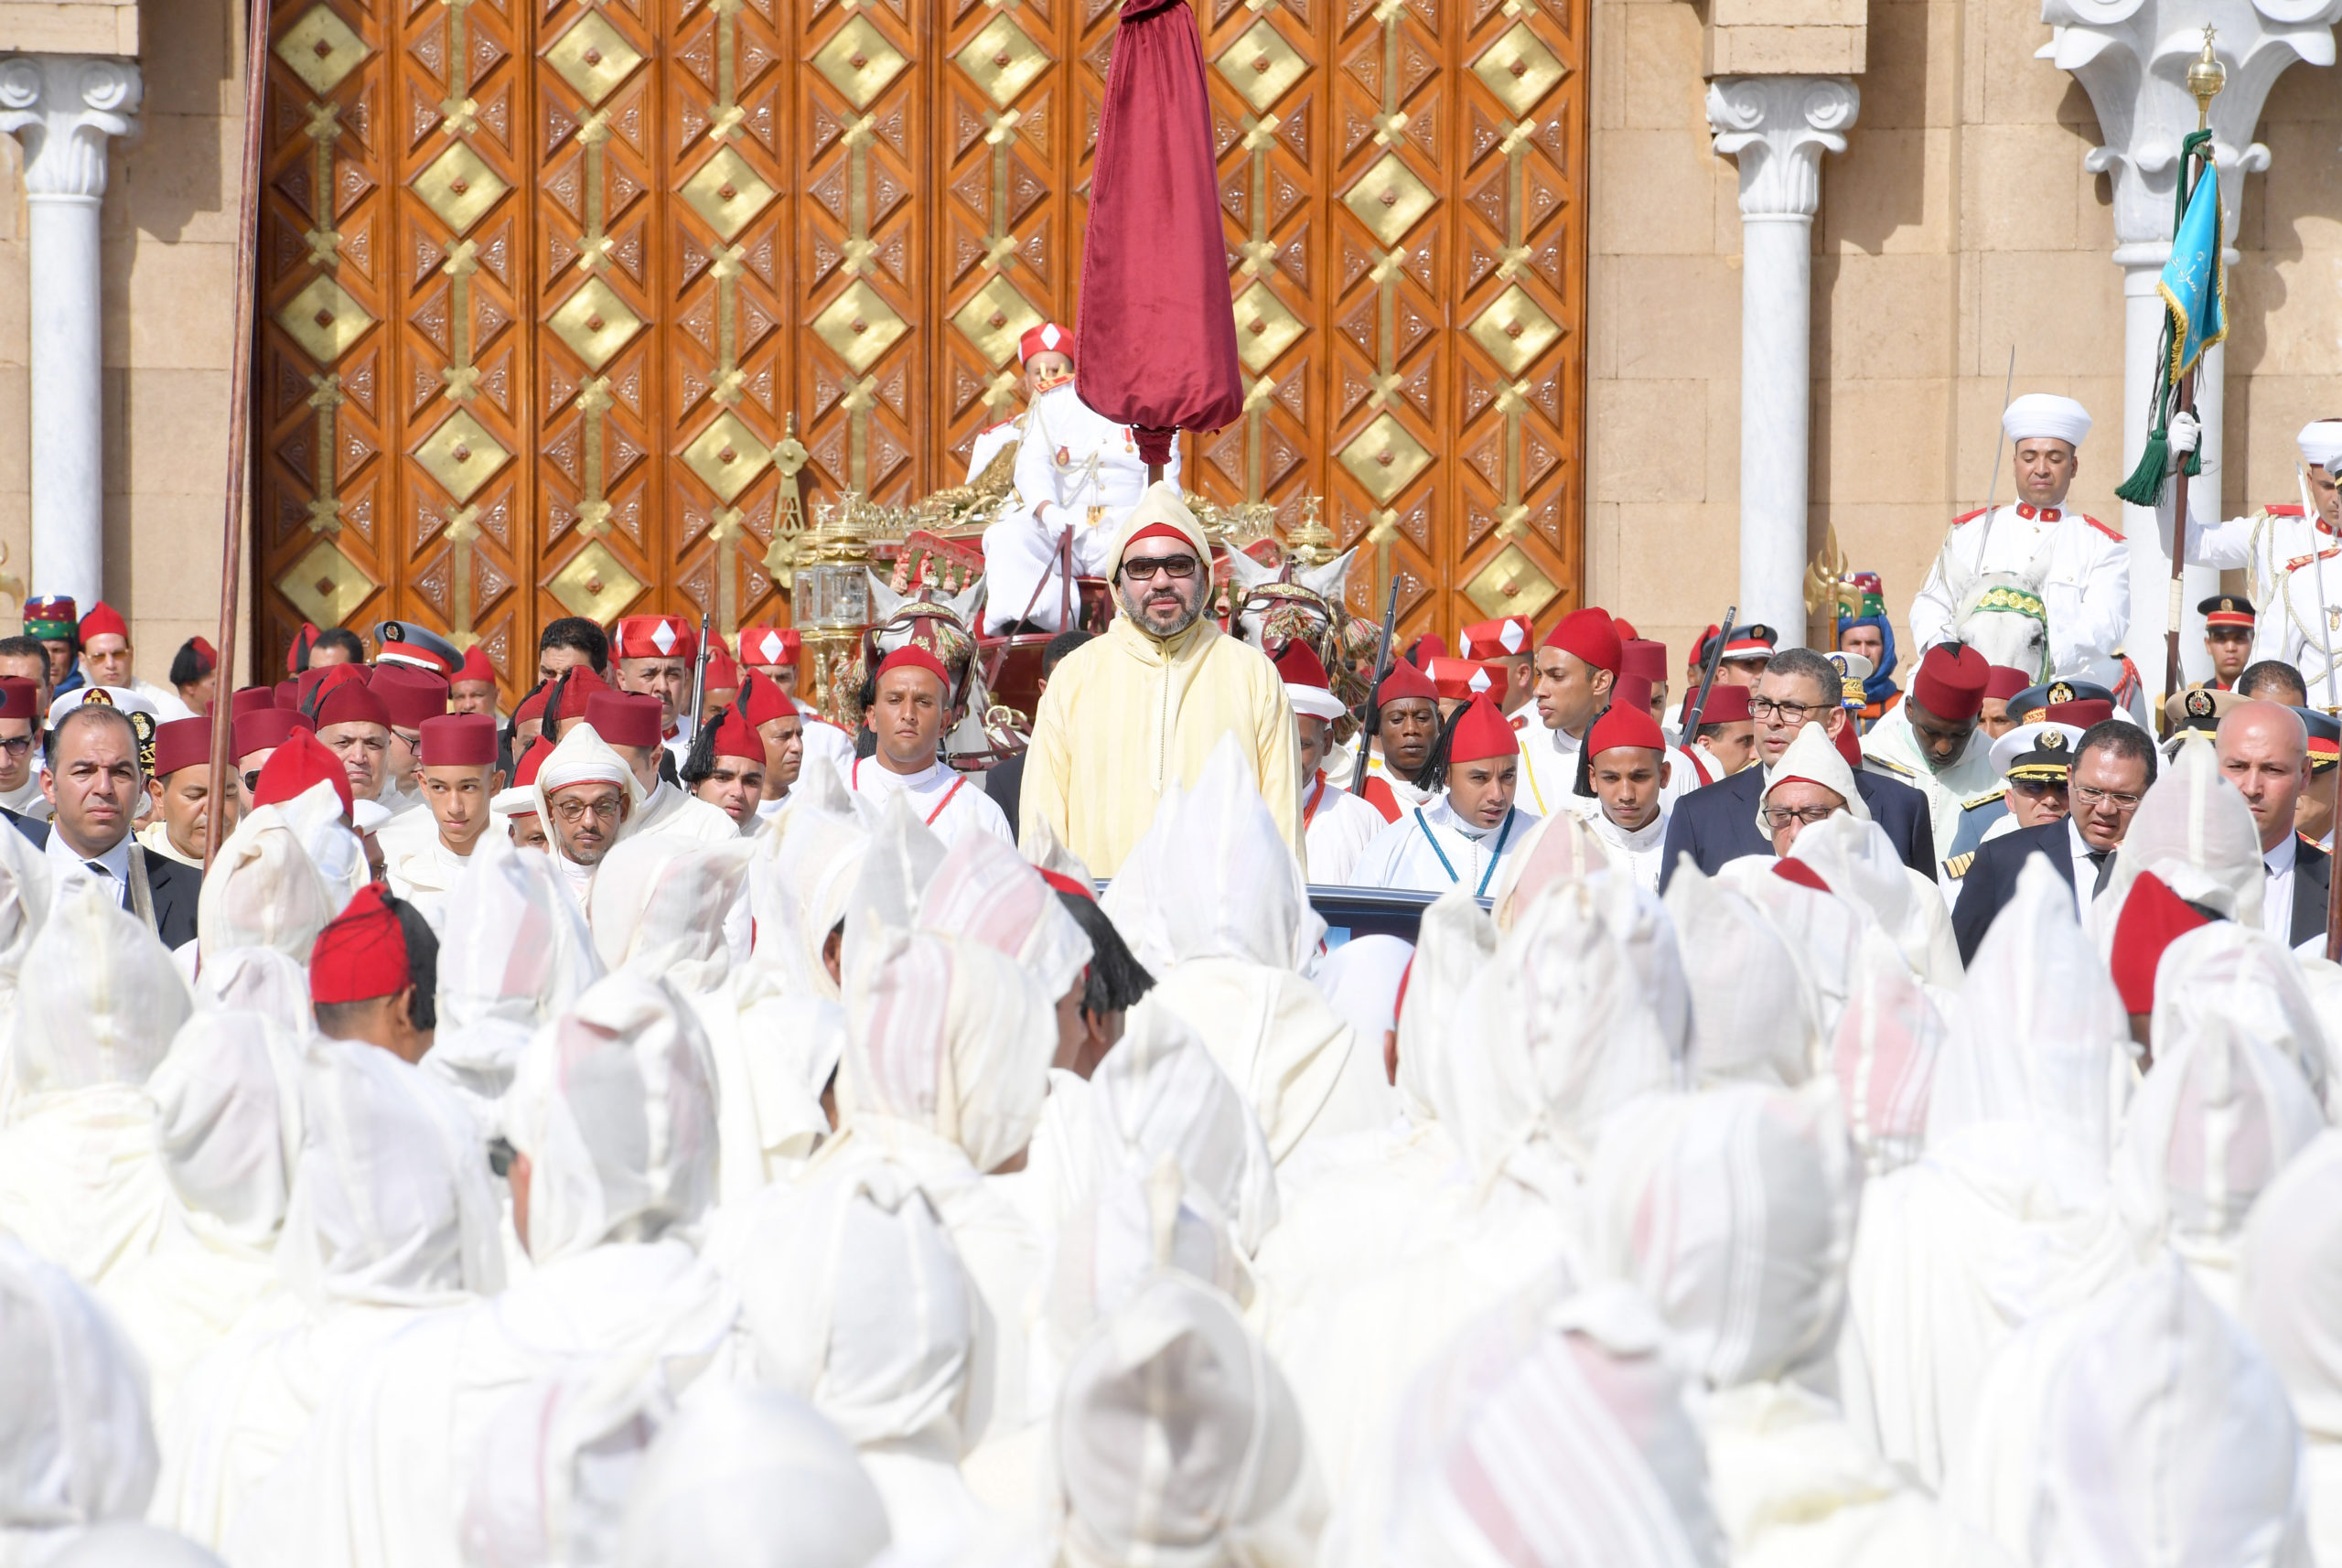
[{"x": 564, "y": 304}]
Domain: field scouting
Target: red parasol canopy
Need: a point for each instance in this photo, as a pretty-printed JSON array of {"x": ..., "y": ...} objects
[{"x": 1157, "y": 326}]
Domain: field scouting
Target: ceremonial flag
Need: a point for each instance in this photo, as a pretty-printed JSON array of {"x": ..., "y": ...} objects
[{"x": 2194, "y": 286}]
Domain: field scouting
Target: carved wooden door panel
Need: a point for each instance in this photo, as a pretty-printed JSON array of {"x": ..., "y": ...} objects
[{"x": 560, "y": 295}]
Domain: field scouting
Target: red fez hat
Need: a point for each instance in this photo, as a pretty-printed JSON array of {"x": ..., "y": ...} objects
[
  {"x": 181, "y": 743},
  {"x": 2001, "y": 683},
  {"x": 911, "y": 656},
  {"x": 1048, "y": 338},
  {"x": 2152, "y": 917},
  {"x": 533, "y": 706},
  {"x": 299, "y": 763},
  {"x": 1951, "y": 682},
  {"x": 288, "y": 694},
  {"x": 264, "y": 729},
  {"x": 351, "y": 702},
  {"x": 737, "y": 737},
  {"x": 1640, "y": 656},
  {"x": 19, "y": 699},
  {"x": 206, "y": 657},
  {"x": 1461, "y": 680},
  {"x": 252, "y": 700},
  {"x": 723, "y": 674},
  {"x": 1299, "y": 665},
  {"x": 101, "y": 620},
  {"x": 1425, "y": 649},
  {"x": 1481, "y": 733},
  {"x": 580, "y": 687},
  {"x": 656, "y": 636},
  {"x": 1625, "y": 628},
  {"x": 1850, "y": 745},
  {"x": 2081, "y": 713},
  {"x": 1505, "y": 637},
  {"x": 1589, "y": 633},
  {"x": 1404, "y": 681},
  {"x": 476, "y": 667},
  {"x": 362, "y": 953},
  {"x": 310, "y": 686},
  {"x": 763, "y": 699},
  {"x": 459, "y": 740},
  {"x": 409, "y": 695},
  {"x": 1632, "y": 690},
  {"x": 624, "y": 718},
  {"x": 526, "y": 773},
  {"x": 1622, "y": 725},
  {"x": 296, "y": 658},
  {"x": 1726, "y": 706},
  {"x": 770, "y": 645}
]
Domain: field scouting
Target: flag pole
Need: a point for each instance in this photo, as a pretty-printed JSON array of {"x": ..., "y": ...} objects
[
  {"x": 239, "y": 376},
  {"x": 2206, "y": 77}
]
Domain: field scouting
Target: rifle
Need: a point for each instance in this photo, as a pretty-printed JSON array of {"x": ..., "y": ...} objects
[
  {"x": 1708, "y": 678},
  {"x": 1382, "y": 668},
  {"x": 699, "y": 677}
]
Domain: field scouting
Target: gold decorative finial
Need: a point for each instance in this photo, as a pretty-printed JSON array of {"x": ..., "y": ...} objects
[{"x": 2206, "y": 77}]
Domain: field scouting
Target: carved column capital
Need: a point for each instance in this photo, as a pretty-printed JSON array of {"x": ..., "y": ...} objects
[
  {"x": 1778, "y": 127},
  {"x": 64, "y": 109},
  {"x": 2131, "y": 58}
]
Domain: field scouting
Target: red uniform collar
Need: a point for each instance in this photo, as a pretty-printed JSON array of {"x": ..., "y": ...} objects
[{"x": 2032, "y": 513}]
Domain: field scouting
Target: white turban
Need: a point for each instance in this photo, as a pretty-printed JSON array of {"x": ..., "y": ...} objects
[
  {"x": 1110, "y": 1246},
  {"x": 2321, "y": 445},
  {"x": 751, "y": 1478},
  {"x": 1814, "y": 758},
  {"x": 583, "y": 758},
  {"x": 1177, "y": 1444},
  {"x": 263, "y": 891},
  {"x": 2142, "y": 1426},
  {"x": 75, "y": 1443},
  {"x": 392, "y": 1205},
  {"x": 1733, "y": 1211},
  {"x": 1158, "y": 1092},
  {"x": 228, "y": 1122},
  {"x": 947, "y": 1035},
  {"x": 2046, "y": 414},
  {"x": 614, "y": 1103}
]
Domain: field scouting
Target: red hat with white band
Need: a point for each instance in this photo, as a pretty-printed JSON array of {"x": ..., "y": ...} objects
[
  {"x": 1305, "y": 685},
  {"x": 1046, "y": 339},
  {"x": 656, "y": 636},
  {"x": 1507, "y": 637},
  {"x": 765, "y": 646}
]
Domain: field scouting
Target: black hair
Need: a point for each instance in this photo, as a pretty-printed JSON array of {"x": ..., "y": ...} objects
[
  {"x": 339, "y": 637},
  {"x": 580, "y": 636},
  {"x": 1432, "y": 774},
  {"x": 549, "y": 722},
  {"x": 2122, "y": 737},
  {"x": 187, "y": 665},
  {"x": 1115, "y": 980},
  {"x": 2276, "y": 679},
  {"x": 1060, "y": 645},
  {"x": 1803, "y": 663},
  {"x": 25, "y": 648}
]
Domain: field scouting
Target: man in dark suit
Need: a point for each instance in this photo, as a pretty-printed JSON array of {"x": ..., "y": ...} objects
[
  {"x": 2264, "y": 751},
  {"x": 2113, "y": 764},
  {"x": 1718, "y": 823},
  {"x": 92, "y": 780}
]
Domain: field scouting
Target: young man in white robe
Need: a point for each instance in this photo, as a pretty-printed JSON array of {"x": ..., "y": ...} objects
[
  {"x": 423, "y": 851},
  {"x": 1576, "y": 666},
  {"x": 912, "y": 711},
  {"x": 1460, "y": 839},
  {"x": 1629, "y": 769},
  {"x": 1336, "y": 824},
  {"x": 1405, "y": 724}
]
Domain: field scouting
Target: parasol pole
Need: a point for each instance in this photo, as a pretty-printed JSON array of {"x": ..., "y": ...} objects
[{"x": 239, "y": 375}]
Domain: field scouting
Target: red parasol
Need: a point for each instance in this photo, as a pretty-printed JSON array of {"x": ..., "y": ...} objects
[{"x": 1158, "y": 327}]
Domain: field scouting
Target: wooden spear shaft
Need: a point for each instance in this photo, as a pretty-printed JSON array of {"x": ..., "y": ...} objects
[{"x": 239, "y": 376}]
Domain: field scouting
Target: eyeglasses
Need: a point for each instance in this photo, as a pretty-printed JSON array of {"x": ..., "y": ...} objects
[
  {"x": 19, "y": 747},
  {"x": 252, "y": 780},
  {"x": 1796, "y": 712},
  {"x": 1181, "y": 567},
  {"x": 574, "y": 810},
  {"x": 1779, "y": 817},
  {"x": 2091, "y": 795}
]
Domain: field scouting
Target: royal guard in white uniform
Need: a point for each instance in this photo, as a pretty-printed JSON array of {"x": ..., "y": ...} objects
[
  {"x": 1077, "y": 476},
  {"x": 1336, "y": 825},
  {"x": 1045, "y": 355},
  {"x": 2291, "y": 556},
  {"x": 772, "y": 651},
  {"x": 2082, "y": 565}
]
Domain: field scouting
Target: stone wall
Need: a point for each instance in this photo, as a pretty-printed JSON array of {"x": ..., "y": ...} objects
[
  {"x": 169, "y": 239},
  {"x": 1959, "y": 221}
]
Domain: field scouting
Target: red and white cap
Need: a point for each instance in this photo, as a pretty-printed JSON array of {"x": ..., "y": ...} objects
[
  {"x": 1462, "y": 678},
  {"x": 1048, "y": 338},
  {"x": 767, "y": 646},
  {"x": 656, "y": 636},
  {"x": 1507, "y": 637},
  {"x": 1305, "y": 685}
]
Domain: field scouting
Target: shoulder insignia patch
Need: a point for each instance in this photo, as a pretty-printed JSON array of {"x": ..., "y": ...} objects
[
  {"x": 1967, "y": 517},
  {"x": 1992, "y": 798},
  {"x": 2281, "y": 509},
  {"x": 1956, "y": 867},
  {"x": 1892, "y": 769},
  {"x": 1520, "y": 721},
  {"x": 2101, "y": 528}
]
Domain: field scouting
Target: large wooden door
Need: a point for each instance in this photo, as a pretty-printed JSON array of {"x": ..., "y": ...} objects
[{"x": 557, "y": 293}]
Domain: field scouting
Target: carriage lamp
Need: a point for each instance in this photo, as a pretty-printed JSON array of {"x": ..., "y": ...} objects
[{"x": 829, "y": 601}]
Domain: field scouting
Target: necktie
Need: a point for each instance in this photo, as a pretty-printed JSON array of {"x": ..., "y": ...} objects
[{"x": 2104, "y": 860}]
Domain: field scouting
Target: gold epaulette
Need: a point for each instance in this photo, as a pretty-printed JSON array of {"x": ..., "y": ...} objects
[
  {"x": 1982, "y": 800},
  {"x": 1959, "y": 864}
]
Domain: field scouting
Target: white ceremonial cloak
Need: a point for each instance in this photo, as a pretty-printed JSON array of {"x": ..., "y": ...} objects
[
  {"x": 1336, "y": 827},
  {"x": 1431, "y": 849},
  {"x": 948, "y": 801}
]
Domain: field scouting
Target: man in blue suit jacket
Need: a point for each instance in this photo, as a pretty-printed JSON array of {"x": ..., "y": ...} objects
[{"x": 1719, "y": 823}]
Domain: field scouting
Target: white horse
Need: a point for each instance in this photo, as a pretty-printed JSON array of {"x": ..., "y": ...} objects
[{"x": 2003, "y": 617}]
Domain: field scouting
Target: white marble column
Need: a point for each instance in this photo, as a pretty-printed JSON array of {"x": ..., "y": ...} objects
[
  {"x": 1778, "y": 127},
  {"x": 64, "y": 109},
  {"x": 2131, "y": 58}
]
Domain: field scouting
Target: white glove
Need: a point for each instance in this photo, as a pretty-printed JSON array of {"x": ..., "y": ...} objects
[{"x": 2185, "y": 430}]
